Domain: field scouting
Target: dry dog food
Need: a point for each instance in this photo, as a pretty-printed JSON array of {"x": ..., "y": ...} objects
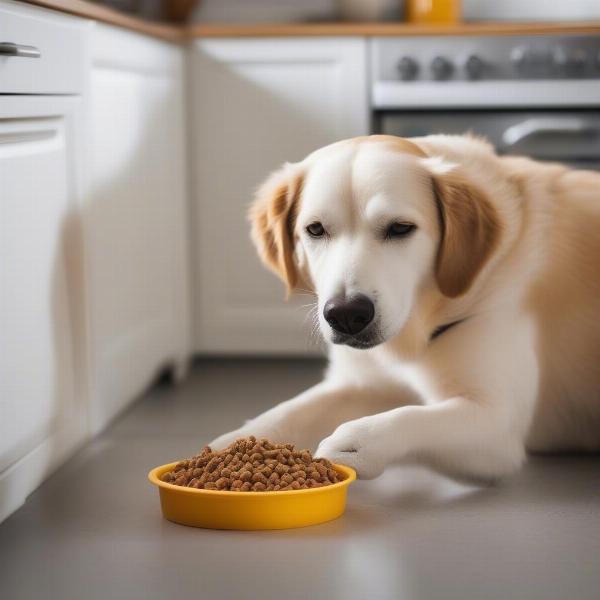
[{"x": 251, "y": 465}]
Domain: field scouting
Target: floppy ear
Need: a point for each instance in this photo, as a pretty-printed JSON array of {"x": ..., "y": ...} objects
[
  {"x": 273, "y": 217},
  {"x": 470, "y": 230}
]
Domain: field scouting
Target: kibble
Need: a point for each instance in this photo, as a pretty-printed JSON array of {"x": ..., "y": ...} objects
[{"x": 251, "y": 465}]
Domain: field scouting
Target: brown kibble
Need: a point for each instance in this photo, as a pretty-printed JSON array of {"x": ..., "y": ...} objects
[
  {"x": 222, "y": 483},
  {"x": 322, "y": 469},
  {"x": 259, "y": 477},
  {"x": 248, "y": 465},
  {"x": 212, "y": 464}
]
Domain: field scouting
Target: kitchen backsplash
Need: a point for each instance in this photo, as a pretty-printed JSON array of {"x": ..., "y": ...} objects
[
  {"x": 313, "y": 10},
  {"x": 259, "y": 11}
]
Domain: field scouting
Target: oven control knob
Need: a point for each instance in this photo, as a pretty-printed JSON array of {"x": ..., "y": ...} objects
[
  {"x": 519, "y": 57},
  {"x": 408, "y": 68},
  {"x": 473, "y": 66},
  {"x": 571, "y": 62},
  {"x": 441, "y": 68}
]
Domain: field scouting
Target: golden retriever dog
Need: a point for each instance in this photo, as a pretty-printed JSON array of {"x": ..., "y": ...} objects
[{"x": 459, "y": 293}]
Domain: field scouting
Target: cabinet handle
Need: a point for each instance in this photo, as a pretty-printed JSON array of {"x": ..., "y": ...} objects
[{"x": 10, "y": 49}]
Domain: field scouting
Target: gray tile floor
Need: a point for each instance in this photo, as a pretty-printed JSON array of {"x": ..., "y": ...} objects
[{"x": 94, "y": 530}]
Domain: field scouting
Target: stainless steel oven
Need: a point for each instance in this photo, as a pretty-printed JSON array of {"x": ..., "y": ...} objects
[{"x": 538, "y": 97}]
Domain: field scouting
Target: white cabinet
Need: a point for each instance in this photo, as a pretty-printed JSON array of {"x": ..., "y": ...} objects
[
  {"x": 255, "y": 104},
  {"x": 135, "y": 217},
  {"x": 42, "y": 400},
  {"x": 59, "y": 40}
]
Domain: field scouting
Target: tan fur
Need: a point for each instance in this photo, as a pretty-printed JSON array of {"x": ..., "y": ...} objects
[
  {"x": 273, "y": 216},
  {"x": 397, "y": 144},
  {"x": 470, "y": 229},
  {"x": 565, "y": 300}
]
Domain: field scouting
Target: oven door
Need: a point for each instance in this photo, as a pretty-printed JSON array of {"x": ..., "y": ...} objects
[{"x": 568, "y": 136}]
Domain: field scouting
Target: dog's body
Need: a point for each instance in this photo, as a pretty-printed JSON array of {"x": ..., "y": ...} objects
[{"x": 480, "y": 278}]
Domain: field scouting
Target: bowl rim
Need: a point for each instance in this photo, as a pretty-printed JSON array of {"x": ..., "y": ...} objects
[{"x": 153, "y": 477}]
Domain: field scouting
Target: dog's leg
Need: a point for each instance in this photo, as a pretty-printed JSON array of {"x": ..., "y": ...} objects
[
  {"x": 307, "y": 418},
  {"x": 475, "y": 423},
  {"x": 458, "y": 436}
]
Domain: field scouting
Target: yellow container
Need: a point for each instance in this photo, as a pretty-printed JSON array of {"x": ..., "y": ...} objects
[
  {"x": 425, "y": 12},
  {"x": 214, "y": 509}
]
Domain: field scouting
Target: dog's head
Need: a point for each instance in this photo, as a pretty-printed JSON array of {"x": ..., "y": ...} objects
[{"x": 368, "y": 223}]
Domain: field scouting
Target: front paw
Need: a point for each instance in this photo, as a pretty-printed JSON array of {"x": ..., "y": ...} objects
[{"x": 356, "y": 444}]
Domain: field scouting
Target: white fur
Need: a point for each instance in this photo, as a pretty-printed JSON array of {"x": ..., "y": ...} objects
[{"x": 466, "y": 402}]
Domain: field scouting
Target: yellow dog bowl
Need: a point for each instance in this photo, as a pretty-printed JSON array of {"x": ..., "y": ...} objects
[{"x": 214, "y": 509}]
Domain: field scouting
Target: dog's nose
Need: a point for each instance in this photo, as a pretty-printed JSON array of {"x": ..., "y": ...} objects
[{"x": 349, "y": 315}]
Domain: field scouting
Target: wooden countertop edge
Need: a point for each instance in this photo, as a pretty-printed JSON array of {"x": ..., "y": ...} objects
[
  {"x": 387, "y": 29},
  {"x": 105, "y": 14},
  {"x": 174, "y": 33}
]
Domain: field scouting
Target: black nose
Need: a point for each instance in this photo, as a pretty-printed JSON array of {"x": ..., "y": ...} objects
[{"x": 349, "y": 315}]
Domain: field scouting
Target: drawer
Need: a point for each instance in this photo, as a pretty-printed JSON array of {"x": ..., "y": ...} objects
[{"x": 61, "y": 42}]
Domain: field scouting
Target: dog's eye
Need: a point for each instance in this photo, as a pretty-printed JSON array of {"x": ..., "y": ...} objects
[
  {"x": 316, "y": 229},
  {"x": 399, "y": 230}
]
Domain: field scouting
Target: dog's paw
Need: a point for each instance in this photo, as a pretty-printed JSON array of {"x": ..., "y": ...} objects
[
  {"x": 226, "y": 439},
  {"x": 356, "y": 444}
]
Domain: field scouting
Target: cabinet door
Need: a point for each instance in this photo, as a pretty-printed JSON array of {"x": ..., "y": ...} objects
[
  {"x": 42, "y": 405},
  {"x": 257, "y": 103},
  {"x": 135, "y": 217}
]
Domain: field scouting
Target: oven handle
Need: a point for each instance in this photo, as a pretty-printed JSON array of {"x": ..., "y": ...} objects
[{"x": 531, "y": 127}]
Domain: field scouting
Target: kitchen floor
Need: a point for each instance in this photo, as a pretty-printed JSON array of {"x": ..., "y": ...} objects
[{"x": 94, "y": 529}]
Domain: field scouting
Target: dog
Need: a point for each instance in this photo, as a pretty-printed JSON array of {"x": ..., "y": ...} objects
[{"x": 459, "y": 294}]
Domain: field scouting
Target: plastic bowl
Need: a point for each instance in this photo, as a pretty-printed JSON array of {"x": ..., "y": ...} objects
[{"x": 213, "y": 509}]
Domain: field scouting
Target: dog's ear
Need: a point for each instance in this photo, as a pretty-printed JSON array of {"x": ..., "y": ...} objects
[
  {"x": 470, "y": 230},
  {"x": 273, "y": 218}
]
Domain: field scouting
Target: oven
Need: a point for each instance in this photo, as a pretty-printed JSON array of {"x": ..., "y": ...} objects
[{"x": 537, "y": 97}]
